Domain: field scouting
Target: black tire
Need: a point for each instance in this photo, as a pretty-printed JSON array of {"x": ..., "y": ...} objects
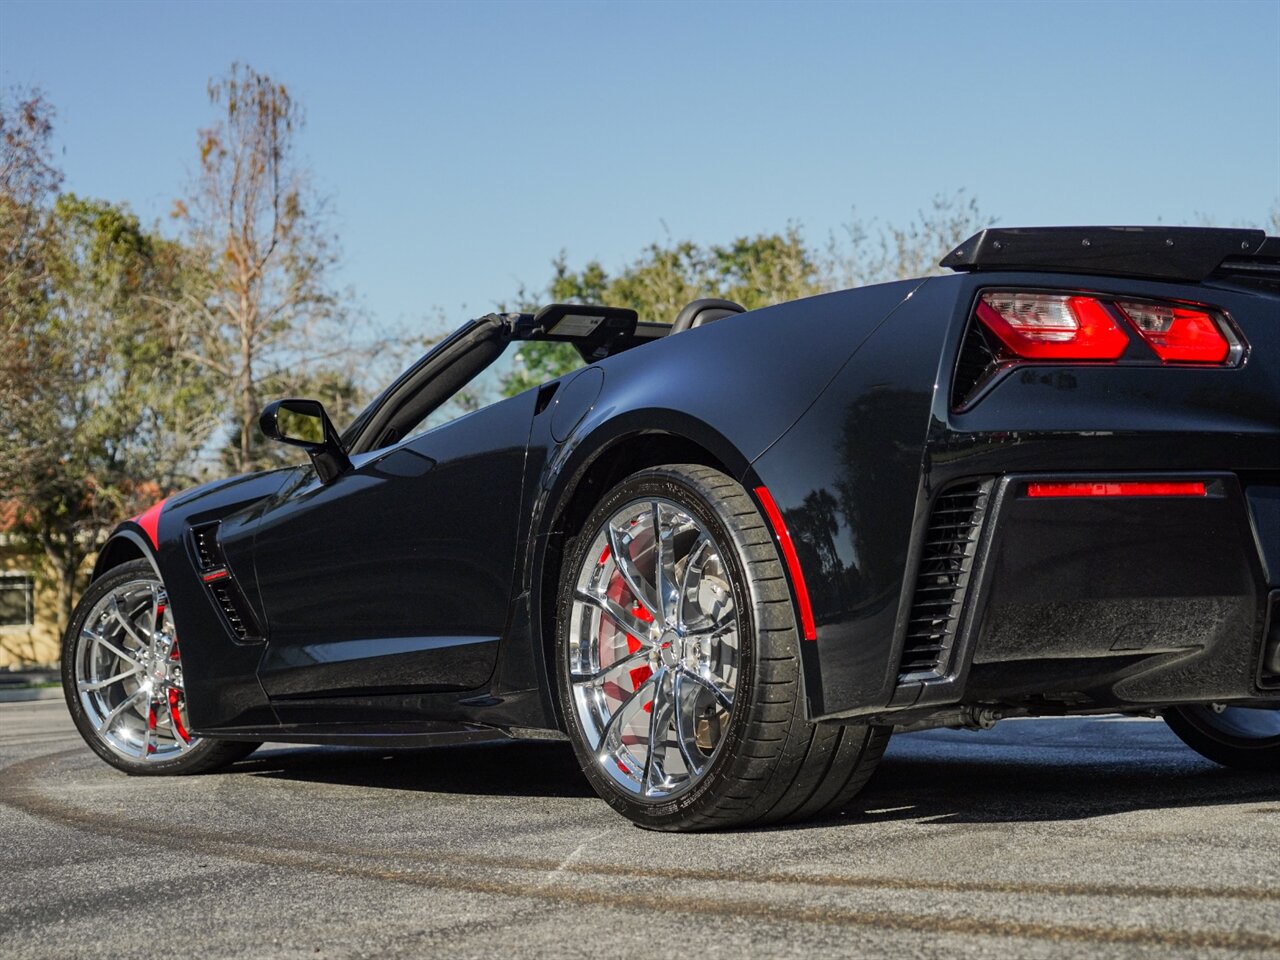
[
  {"x": 771, "y": 765},
  {"x": 203, "y": 754},
  {"x": 1226, "y": 738}
]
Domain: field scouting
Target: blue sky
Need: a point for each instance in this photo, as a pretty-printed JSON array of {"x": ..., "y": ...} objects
[{"x": 464, "y": 145}]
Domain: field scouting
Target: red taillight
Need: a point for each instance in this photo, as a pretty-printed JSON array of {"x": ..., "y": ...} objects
[
  {"x": 1180, "y": 334},
  {"x": 1046, "y": 326},
  {"x": 1123, "y": 488}
]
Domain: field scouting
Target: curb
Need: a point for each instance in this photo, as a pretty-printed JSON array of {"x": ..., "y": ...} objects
[{"x": 30, "y": 693}]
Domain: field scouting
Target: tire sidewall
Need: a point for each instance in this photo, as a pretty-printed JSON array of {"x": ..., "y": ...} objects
[
  {"x": 1197, "y": 731},
  {"x": 663, "y": 483}
]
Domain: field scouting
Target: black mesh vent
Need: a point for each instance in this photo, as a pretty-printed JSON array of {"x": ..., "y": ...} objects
[
  {"x": 205, "y": 541},
  {"x": 976, "y": 364},
  {"x": 946, "y": 563}
]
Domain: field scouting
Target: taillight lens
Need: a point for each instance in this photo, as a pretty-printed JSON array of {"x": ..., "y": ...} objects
[
  {"x": 1180, "y": 334},
  {"x": 1046, "y": 326}
]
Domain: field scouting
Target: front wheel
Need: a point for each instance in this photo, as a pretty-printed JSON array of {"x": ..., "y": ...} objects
[
  {"x": 1243, "y": 737},
  {"x": 123, "y": 680},
  {"x": 679, "y": 663}
]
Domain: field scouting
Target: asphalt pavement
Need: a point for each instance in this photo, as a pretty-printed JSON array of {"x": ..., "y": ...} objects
[{"x": 1098, "y": 837}]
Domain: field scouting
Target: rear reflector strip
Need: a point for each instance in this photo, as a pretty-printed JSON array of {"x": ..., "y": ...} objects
[
  {"x": 793, "y": 562},
  {"x": 1086, "y": 488}
]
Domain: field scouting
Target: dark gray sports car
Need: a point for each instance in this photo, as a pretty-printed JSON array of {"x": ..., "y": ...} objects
[{"x": 729, "y": 555}]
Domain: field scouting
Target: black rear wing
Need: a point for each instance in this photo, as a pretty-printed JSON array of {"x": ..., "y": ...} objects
[{"x": 1189, "y": 254}]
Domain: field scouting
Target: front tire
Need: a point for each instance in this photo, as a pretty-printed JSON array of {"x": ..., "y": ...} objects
[
  {"x": 1247, "y": 738},
  {"x": 676, "y": 629},
  {"x": 123, "y": 681}
]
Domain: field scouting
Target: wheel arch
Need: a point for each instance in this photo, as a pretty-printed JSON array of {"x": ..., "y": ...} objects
[
  {"x": 598, "y": 463},
  {"x": 123, "y": 545}
]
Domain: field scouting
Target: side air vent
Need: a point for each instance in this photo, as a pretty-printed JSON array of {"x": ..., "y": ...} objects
[
  {"x": 204, "y": 539},
  {"x": 228, "y": 605},
  {"x": 221, "y": 584},
  {"x": 942, "y": 580},
  {"x": 233, "y": 606},
  {"x": 976, "y": 364}
]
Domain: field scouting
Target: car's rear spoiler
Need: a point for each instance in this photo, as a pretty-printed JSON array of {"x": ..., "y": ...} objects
[{"x": 1189, "y": 254}]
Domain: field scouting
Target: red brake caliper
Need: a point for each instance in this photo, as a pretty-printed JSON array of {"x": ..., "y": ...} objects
[
  {"x": 151, "y": 725},
  {"x": 638, "y": 675},
  {"x": 175, "y": 716}
]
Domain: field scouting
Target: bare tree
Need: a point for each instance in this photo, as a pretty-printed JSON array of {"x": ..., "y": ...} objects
[
  {"x": 260, "y": 227},
  {"x": 872, "y": 252}
]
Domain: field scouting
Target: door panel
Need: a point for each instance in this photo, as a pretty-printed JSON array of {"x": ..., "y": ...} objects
[{"x": 398, "y": 575}]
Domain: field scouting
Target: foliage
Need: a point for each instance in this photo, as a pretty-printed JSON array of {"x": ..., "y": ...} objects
[
  {"x": 99, "y": 402},
  {"x": 753, "y": 271}
]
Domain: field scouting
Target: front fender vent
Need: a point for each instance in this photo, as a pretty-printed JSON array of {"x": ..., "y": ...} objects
[
  {"x": 218, "y": 579},
  {"x": 942, "y": 579},
  {"x": 204, "y": 541}
]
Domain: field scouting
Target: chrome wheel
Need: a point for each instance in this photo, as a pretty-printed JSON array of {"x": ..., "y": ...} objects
[
  {"x": 653, "y": 649},
  {"x": 128, "y": 674}
]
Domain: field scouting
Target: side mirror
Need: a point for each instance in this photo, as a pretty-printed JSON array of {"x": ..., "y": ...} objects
[{"x": 303, "y": 423}]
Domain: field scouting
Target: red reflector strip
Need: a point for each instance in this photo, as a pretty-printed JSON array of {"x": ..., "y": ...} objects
[
  {"x": 1086, "y": 488},
  {"x": 793, "y": 562},
  {"x": 215, "y": 575}
]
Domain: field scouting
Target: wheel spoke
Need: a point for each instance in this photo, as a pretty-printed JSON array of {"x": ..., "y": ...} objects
[
  {"x": 626, "y": 566},
  {"x": 688, "y": 581},
  {"x": 613, "y": 728},
  {"x": 626, "y": 621},
  {"x": 717, "y": 687},
  {"x": 686, "y": 740},
  {"x": 86, "y": 685},
  {"x": 713, "y": 631},
  {"x": 632, "y": 658},
  {"x": 129, "y": 626},
  {"x": 655, "y": 774},
  {"x": 664, "y": 568},
  {"x": 104, "y": 642},
  {"x": 110, "y": 718}
]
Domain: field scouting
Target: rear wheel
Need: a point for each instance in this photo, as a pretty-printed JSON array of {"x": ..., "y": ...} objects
[
  {"x": 1245, "y": 737},
  {"x": 123, "y": 680},
  {"x": 679, "y": 663}
]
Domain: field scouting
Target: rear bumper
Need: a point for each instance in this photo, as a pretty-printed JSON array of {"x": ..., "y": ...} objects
[{"x": 1086, "y": 603}]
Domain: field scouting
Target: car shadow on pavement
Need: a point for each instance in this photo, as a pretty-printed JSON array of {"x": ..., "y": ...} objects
[
  {"x": 972, "y": 790},
  {"x": 531, "y": 768},
  {"x": 951, "y": 779}
]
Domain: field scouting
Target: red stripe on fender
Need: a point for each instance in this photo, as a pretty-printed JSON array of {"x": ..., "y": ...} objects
[
  {"x": 150, "y": 523},
  {"x": 1125, "y": 488},
  {"x": 793, "y": 562}
]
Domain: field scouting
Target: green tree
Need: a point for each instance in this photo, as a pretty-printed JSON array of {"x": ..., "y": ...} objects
[
  {"x": 98, "y": 413},
  {"x": 754, "y": 271}
]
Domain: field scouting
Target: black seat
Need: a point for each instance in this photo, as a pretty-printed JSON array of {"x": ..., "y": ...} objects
[{"x": 698, "y": 312}]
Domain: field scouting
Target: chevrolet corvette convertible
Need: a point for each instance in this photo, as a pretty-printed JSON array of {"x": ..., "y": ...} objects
[{"x": 728, "y": 555}]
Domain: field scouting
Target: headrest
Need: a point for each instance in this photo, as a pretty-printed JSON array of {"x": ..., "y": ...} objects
[{"x": 698, "y": 312}]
